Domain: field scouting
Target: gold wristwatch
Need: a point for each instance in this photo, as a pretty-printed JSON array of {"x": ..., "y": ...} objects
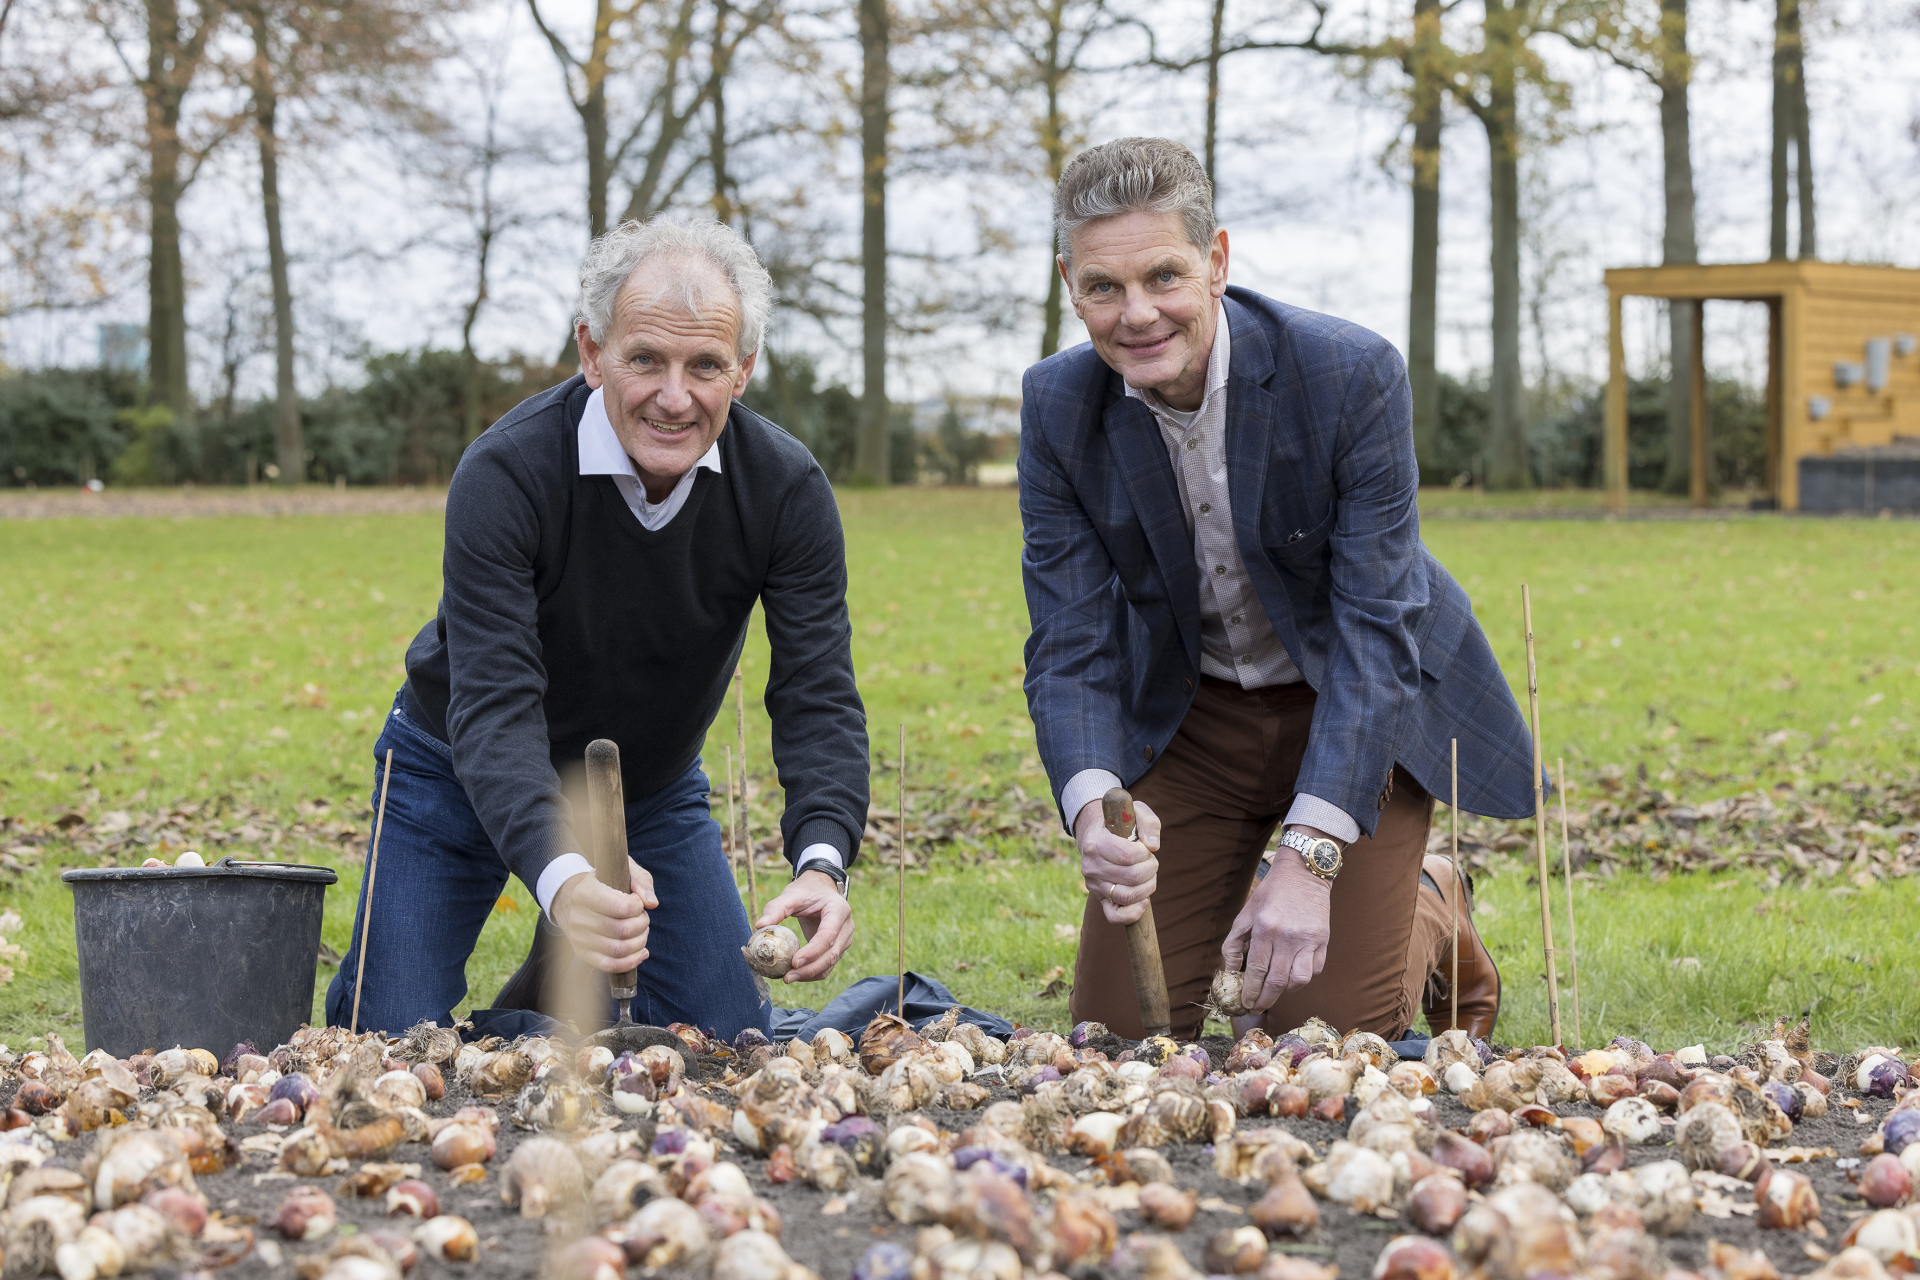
[{"x": 1321, "y": 855}]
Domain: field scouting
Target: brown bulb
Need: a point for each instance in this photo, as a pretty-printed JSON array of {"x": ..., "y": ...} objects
[
  {"x": 413, "y": 1198},
  {"x": 1436, "y": 1203},
  {"x": 1167, "y": 1207},
  {"x": 1287, "y": 1209},
  {"x": 1886, "y": 1184},
  {"x": 1787, "y": 1200},
  {"x": 1414, "y": 1258}
]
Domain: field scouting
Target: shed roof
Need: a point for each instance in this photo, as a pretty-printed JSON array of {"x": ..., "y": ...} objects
[{"x": 1756, "y": 281}]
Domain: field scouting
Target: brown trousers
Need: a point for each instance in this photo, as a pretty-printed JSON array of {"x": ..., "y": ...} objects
[{"x": 1220, "y": 788}]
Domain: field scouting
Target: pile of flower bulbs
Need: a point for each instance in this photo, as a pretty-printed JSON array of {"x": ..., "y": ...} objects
[{"x": 631, "y": 1166}]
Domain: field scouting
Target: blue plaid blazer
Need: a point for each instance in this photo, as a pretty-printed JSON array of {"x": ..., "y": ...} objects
[{"x": 1323, "y": 481}]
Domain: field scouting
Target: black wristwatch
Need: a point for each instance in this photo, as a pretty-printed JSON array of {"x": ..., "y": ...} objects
[{"x": 834, "y": 873}]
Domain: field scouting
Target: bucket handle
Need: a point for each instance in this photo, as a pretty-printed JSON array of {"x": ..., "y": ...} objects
[{"x": 233, "y": 862}]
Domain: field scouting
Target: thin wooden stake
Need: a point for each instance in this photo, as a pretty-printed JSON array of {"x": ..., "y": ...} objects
[
  {"x": 733, "y": 832},
  {"x": 1566, "y": 863},
  {"x": 900, "y": 999},
  {"x": 1459, "y": 887},
  {"x": 1540, "y": 821},
  {"x": 373, "y": 870},
  {"x": 746, "y": 831}
]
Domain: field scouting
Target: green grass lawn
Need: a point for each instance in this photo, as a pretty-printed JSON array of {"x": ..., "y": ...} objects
[{"x": 242, "y": 662}]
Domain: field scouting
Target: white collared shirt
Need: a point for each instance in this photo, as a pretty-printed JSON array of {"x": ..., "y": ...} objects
[
  {"x": 1237, "y": 639},
  {"x": 602, "y": 454}
]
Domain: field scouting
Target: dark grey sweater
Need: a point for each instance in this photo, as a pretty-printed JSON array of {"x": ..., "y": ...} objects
[{"x": 563, "y": 619}]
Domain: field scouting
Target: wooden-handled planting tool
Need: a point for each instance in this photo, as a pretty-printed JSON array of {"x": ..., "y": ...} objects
[
  {"x": 1143, "y": 941},
  {"x": 607, "y": 840}
]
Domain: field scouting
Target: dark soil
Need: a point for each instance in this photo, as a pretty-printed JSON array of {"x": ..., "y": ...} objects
[{"x": 831, "y": 1243}]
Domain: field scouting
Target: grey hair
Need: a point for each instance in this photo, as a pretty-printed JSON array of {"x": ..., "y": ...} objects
[
  {"x": 1134, "y": 175},
  {"x": 613, "y": 258}
]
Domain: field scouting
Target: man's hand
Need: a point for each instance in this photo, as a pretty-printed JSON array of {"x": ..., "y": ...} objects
[
  {"x": 1282, "y": 931},
  {"x": 814, "y": 899},
  {"x": 608, "y": 929},
  {"x": 1121, "y": 873}
]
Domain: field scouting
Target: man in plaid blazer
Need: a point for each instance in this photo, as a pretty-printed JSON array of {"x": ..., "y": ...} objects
[{"x": 1233, "y": 615}]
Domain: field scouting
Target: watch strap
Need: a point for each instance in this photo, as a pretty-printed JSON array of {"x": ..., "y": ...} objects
[{"x": 835, "y": 873}]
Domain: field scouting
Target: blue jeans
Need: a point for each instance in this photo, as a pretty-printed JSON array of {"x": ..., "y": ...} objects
[{"x": 439, "y": 877}]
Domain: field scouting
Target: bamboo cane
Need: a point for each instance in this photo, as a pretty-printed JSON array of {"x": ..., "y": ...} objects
[
  {"x": 733, "y": 832},
  {"x": 373, "y": 870},
  {"x": 900, "y": 999},
  {"x": 1540, "y": 820},
  {"x": 1459, "y": 887},
  {"x": 746, "y": 831},
  {"x": 1566, "y": 863}
]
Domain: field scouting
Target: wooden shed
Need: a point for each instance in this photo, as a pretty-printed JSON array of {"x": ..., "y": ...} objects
[{"x": 1843, "y": 372}]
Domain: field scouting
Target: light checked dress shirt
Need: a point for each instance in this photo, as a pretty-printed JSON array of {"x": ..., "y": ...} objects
[
  {"x": 602, "y": 454},
  {"x": 1237, "y": 641}
]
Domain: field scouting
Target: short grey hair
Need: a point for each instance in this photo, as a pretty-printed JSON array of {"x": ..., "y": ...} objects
[
  {"x": 613, "y": 258},
  {"x": 1134, "y": 175}
]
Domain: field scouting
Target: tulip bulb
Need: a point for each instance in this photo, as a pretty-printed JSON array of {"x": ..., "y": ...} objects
[
  {"x": 413, "y": 1198},
  {"x": 1413, "y": 1258},
  {"x": 770, "y": 951},
  {"x": 1704, "y": 1131},
  {"x": 1237, "y": 1251},
  {"x": 1436, "y": 1202},
  {"x": 1886, "y": 1183},
  {"x": 1167, "y": 1207},
  {"x": 920, "y": 1188},
  {"x": 662, "y": 1233},
  {"x": 1632, "y": 1120},
  {"x": 1888, "y": 1235},
  {"x": 1287, "y": 1209},
  {"x": 1787, "y": 1200},
  {"x": 1225, "y": 997},
  {"x": 449, "y": 1238},
  {"x": 306, "y": 1214},
  {"x": 462, "y": 1142}
]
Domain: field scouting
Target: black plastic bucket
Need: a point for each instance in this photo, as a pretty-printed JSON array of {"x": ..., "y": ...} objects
[{"x": 202, "y": 957}]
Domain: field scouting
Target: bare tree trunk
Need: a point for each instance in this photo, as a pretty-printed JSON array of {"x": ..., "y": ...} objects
[
  {"x": 288, "y": 446},
  {"x": 593, "y": 119},
  {"x": 1053, "y": 141},
  {"x": 870, "y": 454},
  {"x": 717, "y": 142},
  {"x": 1678, "y": 244},
  {"x": 1783, "y": 130},
  {"x": 1213, "y": 97},
  {"x": 1508, "y": 463},
  {"x": 166, "y": 274},
  {"x": 469, "y": 361},
  {"x": 1802, "y": 139},
  {"x": 1424, "y": 293},
  {"x": 591, "y": 106}
]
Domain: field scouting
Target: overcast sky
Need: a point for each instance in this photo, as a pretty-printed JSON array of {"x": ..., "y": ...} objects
[{"x": 1312, "y": 191}]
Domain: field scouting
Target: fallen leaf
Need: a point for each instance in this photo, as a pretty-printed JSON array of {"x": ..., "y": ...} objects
[{"x": 1066, "y": 932}]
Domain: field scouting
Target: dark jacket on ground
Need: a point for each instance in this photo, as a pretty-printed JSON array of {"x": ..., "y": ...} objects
[
  {"x": 1323, "y": 482},
  {"x": 563, "y": 619}
]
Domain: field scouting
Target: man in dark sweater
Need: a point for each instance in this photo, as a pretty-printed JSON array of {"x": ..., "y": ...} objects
[{"x": 606, "y": 544}]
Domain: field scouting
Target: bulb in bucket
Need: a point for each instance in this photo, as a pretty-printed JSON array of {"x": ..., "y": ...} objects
[{"x": 189, "y": 859}]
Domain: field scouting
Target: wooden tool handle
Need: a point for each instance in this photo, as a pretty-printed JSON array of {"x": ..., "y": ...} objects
[
  {"x": 607, "y": 835},
  {"x": 1143, "y": 938}
]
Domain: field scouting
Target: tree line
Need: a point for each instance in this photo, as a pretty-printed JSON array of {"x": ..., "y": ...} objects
[{"x": 799, "y": 124}]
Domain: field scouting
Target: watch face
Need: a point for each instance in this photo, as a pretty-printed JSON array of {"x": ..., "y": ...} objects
[{"x": 1325, "y": 857}]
